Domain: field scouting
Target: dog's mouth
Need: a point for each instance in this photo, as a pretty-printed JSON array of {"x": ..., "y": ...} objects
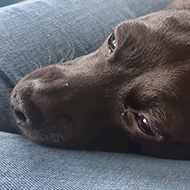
[
  {"x": 45, "y": 120},
  {"x": 33, "y": 124},
  {"x": 63, "y": 132},
  {"x": 23, "y": 121}
]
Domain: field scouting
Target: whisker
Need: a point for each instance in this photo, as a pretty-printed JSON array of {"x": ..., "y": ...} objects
[
  {"x": 72, "y": 53},
  {"x": 49, "y": 55},
  {"x": 35, "y": 64},
  {"x": 68, "y": 52},
  {"x": 19, "y": 77},
  {"x": 39, "y": 63},
  {"x": 62, "y": 57}
]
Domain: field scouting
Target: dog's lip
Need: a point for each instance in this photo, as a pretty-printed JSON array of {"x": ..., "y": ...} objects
[{"x": 66, "y": 122}]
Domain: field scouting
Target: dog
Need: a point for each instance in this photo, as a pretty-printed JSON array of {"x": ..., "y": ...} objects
[{"x": 130, "y": 95}]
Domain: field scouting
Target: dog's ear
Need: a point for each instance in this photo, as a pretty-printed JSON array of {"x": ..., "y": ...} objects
[{"x": 179, "y": 4}]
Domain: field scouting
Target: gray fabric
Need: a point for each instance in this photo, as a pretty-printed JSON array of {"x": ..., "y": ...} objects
[
  {"x": 26, "y": 165},
  {"x": 42, "y": 32}
]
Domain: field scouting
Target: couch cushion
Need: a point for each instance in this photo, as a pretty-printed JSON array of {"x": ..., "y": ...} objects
[{"x": 26, "y": 165}]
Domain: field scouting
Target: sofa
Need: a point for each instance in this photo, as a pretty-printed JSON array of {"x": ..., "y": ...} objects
[{"x": 33, "y": 35}]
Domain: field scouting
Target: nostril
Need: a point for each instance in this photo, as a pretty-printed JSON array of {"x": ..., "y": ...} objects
[
  {"x": 15, "y": 95},
  {"x": 20, "y": 115}
]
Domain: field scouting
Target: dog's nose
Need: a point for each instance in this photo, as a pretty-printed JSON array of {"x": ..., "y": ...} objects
[
  {"x": 19, "y": 115},
  {"x": 30, "y": 116},
  {"x": 24, "y": 110}
]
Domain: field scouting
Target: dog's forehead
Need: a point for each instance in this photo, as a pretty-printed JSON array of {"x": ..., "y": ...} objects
[
  {"x": 171, "y": 27},
  {"x": 158, "y": 46},
  {"x": 167, "y": 20},
  {"x": 153, "y": 41}
]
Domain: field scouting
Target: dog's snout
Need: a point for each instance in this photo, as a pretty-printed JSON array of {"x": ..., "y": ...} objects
[{"x": 61, "y": 99}]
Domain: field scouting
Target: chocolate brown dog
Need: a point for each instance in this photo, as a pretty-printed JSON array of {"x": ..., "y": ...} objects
[{"x": 132, "y": 94}]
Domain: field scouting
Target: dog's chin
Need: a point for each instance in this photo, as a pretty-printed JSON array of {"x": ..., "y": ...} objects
[
  {"x": 59, "y": 137},
  {"x": 42, "y": 135},
  {"x": 49, "y": 138}
]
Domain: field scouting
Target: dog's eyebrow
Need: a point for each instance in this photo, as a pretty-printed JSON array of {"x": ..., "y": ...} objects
[{"x": 142, "y": 99}]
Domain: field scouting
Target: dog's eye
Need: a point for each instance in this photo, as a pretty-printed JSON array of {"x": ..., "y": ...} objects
[
  {"x": 144, "y": 124},
  {"x": 112, "y": 42}
]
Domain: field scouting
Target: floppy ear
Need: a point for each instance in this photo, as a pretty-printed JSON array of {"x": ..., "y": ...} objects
[{"x": 179, "y": 4}]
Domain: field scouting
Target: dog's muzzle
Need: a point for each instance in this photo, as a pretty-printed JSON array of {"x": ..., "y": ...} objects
[{"x": 34, "y": 105}]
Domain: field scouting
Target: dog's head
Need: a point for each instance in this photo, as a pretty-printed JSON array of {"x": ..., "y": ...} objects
[{"x": 137, "y": 86}]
